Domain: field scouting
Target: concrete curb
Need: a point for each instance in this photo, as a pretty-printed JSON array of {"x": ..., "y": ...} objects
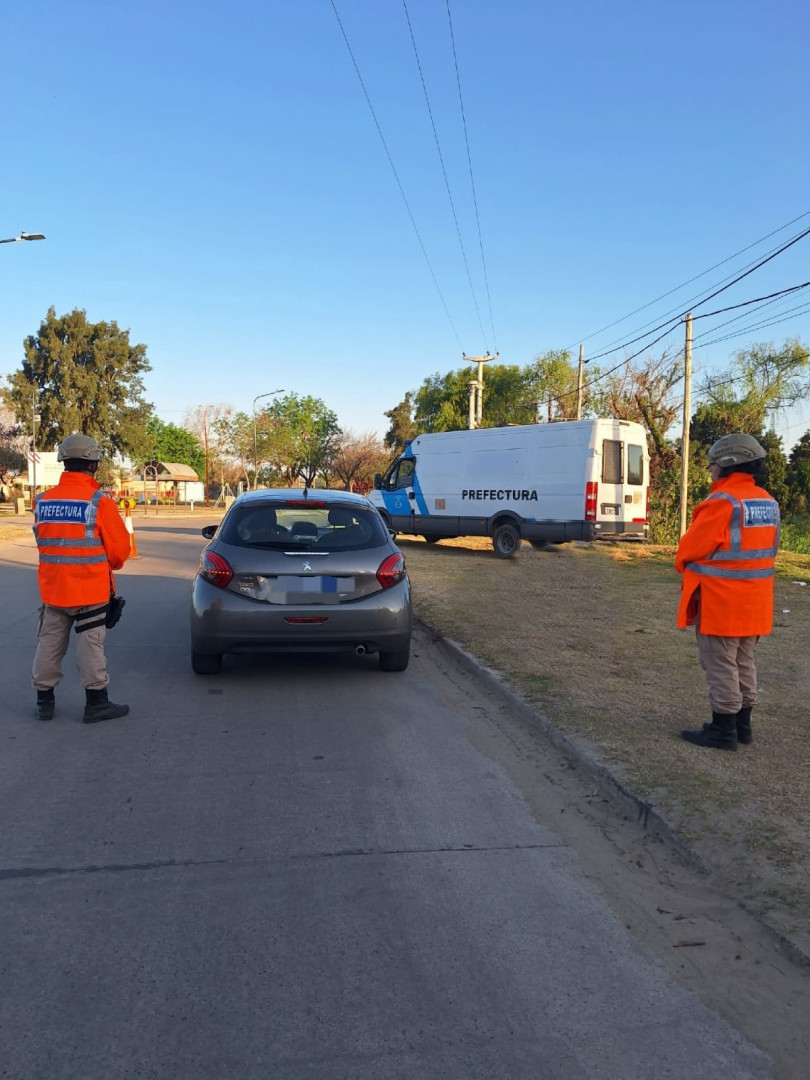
[{"x": 643, "y": 812}]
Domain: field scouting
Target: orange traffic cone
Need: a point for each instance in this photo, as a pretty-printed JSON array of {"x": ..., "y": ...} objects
[{"x": 133, "y": 551}]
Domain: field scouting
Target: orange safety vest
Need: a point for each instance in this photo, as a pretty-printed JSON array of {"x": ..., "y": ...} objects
[
  {"x": 727, "y": 559},
  {"x": 81, "y": 540}
]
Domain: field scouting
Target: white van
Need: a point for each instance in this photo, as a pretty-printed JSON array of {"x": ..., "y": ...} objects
[{"x": 571, "y": 480}]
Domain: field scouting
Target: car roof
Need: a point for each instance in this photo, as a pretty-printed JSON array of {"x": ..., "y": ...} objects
[{"x": 281, "y": 495}]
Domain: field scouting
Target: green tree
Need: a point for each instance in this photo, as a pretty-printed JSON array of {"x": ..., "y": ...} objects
[
  {"x": 551, "y": 384},
  {"x": 402, "y": 428},
  {"x": 774, "y": 470},
  {"x": 88, "y": 378},
  {"x": 798, "y": 476},
  {"x": 168, "y": 442},
  {"x": 301, "y": 436},
  {"x": 761, "y": 381}
]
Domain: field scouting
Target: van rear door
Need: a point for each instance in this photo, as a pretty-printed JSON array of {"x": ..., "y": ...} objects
[{"x": 621, "y": 492}]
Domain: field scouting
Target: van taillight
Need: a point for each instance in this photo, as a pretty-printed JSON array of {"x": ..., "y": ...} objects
[
  {"x": 391, "y": 570},
  {"x": 214, "y": 569},
  {"x": 591, "y": 491}
]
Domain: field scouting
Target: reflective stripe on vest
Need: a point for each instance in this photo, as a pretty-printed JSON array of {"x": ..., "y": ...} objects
[
  {"x": 756, "y": 508},
  {"x": 89, "y": 516}
]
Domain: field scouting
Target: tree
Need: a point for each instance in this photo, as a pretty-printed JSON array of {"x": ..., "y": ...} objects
[
  {"x": 302, "y": 436},
  {"x": 172, "y": 443},
  {"x": 552, "y": 380},
  {"x": 403, "y": 429},
  {"x": 761, "y": 381},
  {"x": 798, "y": 475},
  {"x": 13, "y": 445},
  {"x": 357, "y": 458},
  {"x": 774, "y": 469},
  {"x": 210, "y": 425},
  {"x": 88, "y": 378}
]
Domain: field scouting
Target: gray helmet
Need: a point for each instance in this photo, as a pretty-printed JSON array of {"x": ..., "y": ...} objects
[
  {"x": 736, "y": 449},
  {"x": 81, "y": 447}
]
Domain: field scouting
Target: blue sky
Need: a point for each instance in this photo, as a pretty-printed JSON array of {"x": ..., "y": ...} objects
[{"x": 210, "y": 176}]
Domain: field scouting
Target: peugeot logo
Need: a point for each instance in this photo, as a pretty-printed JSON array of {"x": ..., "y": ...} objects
[{"x": 307, "y": 566}]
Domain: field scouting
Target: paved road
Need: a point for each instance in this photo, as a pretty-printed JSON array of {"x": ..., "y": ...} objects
[{"x": 296, "y": 870}]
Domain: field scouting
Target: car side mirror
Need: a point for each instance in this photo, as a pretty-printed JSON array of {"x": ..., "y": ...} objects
[
  {"x": 209, "y": 532},
  {"x": 377, "y": 481}
]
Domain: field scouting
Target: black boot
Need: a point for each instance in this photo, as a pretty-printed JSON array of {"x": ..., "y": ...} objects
[
  {"x": 721, "y": 733},
  {"x": 744, "y": 733},
  {"x": 99, "y": 707},
  {"x": 46, "y": 703}
]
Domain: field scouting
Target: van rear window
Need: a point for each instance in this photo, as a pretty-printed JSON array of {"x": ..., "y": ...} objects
[
  {"x": 612, "y": 461},
  {"x": 635, "y": 464}
]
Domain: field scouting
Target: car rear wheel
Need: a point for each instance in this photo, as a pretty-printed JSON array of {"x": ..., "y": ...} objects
[
  {"x": 506, "y": 541},
  {"x": 206, "y": 663},
  {"x": 395, "y": 661}
]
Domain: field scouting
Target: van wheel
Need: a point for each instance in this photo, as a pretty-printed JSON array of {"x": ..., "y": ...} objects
[
  {"x": 395, "y": 661},
  {"x": 431, "y": 539},
  {"x": 506, "y": 541},
  {"x": 206, "y": 663}
]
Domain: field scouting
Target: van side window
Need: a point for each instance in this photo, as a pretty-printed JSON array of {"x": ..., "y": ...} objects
[
  {"x": 635, "y": 464},
  {"x": 401, "y": 475},
  {"x": 612, "y": 461}
]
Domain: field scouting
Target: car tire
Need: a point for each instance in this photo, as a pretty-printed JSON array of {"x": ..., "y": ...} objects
[
  {"x": 395, "y": 661},
  {"x": 506, "y": 541},
  {"x": 206, "y": 663}
]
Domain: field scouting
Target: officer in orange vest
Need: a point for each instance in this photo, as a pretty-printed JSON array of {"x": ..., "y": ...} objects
[
  {"x": 727, "y": 559},
  {"x": 81, "y": 540}
]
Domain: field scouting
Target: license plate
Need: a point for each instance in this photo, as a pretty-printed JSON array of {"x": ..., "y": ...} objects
[
  {"x": 313, "y": 589},
  {"x": 607, "y": 509}
]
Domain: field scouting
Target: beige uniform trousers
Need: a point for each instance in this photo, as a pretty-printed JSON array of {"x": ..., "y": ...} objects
[
  {"x": 730, "y": 671},
  {"x": 53, "y": 634}
]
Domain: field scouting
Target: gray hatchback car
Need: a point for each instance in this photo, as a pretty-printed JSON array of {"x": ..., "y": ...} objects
[{"x": 298, "y": 571}]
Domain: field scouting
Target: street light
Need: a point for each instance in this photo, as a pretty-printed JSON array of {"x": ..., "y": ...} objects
[
  {"x": 35, "y": 417},
  {"x": 258, "y": 397},
  {"x": 24, "y": 236}
]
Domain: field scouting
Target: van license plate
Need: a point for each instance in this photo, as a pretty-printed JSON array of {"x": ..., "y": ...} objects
[{"x": 607, "y": 509}]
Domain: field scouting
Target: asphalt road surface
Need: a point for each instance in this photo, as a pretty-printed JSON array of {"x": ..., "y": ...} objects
[{"x": 296, "y": 869}]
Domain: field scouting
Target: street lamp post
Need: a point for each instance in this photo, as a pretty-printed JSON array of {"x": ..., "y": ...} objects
[
  {"x": 34, "y": 418},
  {"x": 258, "y": 397},
  {"x": 23, "y": 236}
]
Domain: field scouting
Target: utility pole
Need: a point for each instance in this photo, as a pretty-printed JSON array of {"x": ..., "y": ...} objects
[
  {"x": 687, "y": 411},
  {"x": 579, "y": 381},
  {"x": 476, "y": 414}
]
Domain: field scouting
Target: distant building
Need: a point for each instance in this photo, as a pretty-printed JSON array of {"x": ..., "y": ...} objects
[{"x": 165, "y": 481}]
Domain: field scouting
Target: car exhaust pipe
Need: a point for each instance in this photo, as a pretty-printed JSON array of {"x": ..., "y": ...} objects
[{"x": 360, "y": 650}]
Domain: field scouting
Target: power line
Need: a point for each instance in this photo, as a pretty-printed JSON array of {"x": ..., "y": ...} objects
[
  {"x": 784, "y": 317},
  {"x": 749, "y": 270},
  {"x": 757, "y": 300},
  {"x": 396, "y": 175},
  {"x": 683, "y": 284},
  {"x": 444, "y": 171},
  {"x": 472, "y": 181}
]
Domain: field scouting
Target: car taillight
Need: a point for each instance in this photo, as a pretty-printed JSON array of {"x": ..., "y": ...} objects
[
  {"x": 591, "y": 490},
  {"x": 391, "y": 570},
  {"x": 214, "y": 569}
]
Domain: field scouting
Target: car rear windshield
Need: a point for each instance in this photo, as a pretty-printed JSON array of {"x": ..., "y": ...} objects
[{"x": 297, "y": 528}]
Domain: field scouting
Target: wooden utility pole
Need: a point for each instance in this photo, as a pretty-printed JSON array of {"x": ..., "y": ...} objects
[
  {"x": 687, "y": 412},
  {"x": 579, "y": 381}
]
